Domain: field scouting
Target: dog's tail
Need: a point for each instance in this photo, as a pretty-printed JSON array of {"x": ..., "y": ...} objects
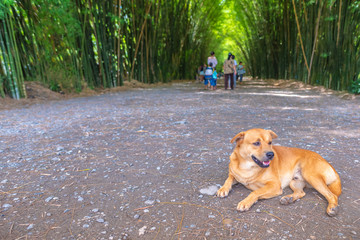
[{"x": 335, "y": 187}]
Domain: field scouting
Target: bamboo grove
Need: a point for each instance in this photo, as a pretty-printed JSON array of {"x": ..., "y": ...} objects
[
  {"x": 317, "y": 41},
  {"x": 72, "y": 44}
]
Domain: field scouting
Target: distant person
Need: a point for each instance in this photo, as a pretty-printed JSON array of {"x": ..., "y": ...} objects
[
  {"x": 229, "y": 70},
  {"x": 214, "y": 80},
  {"x": 235, "y": 63},
  {"x": 197, "y": 74},
  {"x": 241, "y": 71},
  {"x": 208, "y": 76},
  {"x": 202, "y": 73},
  {"x": 212, "y": 59}
]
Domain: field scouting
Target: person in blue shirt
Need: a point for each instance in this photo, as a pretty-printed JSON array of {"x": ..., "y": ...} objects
[
  {"x": 214, "y": 80},
  {"x": 241, "y": 71},
  {"x": 235, "y": 63},
  {"x": 208, "y": 76}
]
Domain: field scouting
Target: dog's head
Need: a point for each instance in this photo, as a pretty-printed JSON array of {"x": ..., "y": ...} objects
[{"x": 256, "y": 145}]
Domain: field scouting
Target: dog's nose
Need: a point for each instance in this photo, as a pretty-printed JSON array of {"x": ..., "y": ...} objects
[{"x": 270, "y": 155}]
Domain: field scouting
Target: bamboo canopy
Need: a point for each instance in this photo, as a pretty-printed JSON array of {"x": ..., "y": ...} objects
[
  {"x": 72, "y": 44},
  {"x": 316, "y": 42}
]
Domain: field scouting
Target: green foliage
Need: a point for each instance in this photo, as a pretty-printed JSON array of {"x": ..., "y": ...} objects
[
  {"x": 61, "y": 80},
  {"x": 10, "y": 62},
  {"x": 69, "y": 44},
  {"x": 316, "y": 42},
  {"x": 355, "y": 86},
  {"x": 98, "y": 43},
  {"x": 4, "y": 7},
  {"x": 54, "y": 86}
]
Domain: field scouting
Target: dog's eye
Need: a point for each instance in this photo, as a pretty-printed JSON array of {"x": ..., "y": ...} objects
[
  {"x": 270, "y": 143},
  {"x": 256, "y": 143}
]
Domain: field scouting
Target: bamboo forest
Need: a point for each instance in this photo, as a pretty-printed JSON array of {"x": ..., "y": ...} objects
[
  {"x": 74, "y": 44},
  {"x": 179, "y": 119}
]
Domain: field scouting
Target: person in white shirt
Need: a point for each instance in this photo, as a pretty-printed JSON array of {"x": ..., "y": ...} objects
[{"x": 212, "y": 59}]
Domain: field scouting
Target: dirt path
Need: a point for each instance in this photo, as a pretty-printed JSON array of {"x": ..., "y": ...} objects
[{"x": 130, "y": 165}]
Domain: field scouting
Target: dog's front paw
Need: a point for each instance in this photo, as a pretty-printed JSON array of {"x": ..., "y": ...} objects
[
  {"x": 223, "y": 192},
  {"x": 243, "y": 206}
]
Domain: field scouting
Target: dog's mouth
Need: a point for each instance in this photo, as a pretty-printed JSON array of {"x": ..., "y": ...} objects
[{"x": 263, "y": 164}]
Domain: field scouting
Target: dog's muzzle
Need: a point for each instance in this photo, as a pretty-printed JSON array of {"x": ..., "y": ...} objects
[{"x": 264, "y": 164}]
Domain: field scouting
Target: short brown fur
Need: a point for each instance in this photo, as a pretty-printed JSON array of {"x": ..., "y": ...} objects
[{"x": 292, "y": 167}]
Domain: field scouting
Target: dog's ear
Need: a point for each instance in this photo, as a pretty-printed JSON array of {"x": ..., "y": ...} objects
[
  {"x": 273, "y": 135},
  {"x": 238, "y": 137}
]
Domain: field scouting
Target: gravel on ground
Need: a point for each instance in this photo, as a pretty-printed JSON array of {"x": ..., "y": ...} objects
[{"x": 145, "y": 164}]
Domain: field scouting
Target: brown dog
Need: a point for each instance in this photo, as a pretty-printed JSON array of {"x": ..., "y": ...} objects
[{"x": 268, "y": 169}]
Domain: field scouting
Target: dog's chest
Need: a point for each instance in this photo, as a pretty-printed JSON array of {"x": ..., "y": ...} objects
[{"x": 246, "y": 178}]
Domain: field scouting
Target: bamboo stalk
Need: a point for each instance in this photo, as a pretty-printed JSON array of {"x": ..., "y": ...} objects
[
  {"x": 5, "y": 67},
  {"x": 11, "y": 72},
  {"x": 138, "y": 42},
  {"x": 338, "y": 30},
  {"x": 17, "y": 67},
  {"x": 299, "y": 32},
  {"x": 120, "y": 81},
  {"x": 315, "y": 39},
  {"x": 102, "y": 75}
]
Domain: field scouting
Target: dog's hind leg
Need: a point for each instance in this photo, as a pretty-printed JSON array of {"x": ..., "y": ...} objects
[
  {"x": 335, "y": 187},
  {"x": 317, "y": 182},
  {"x": 297, "y": 185}
]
